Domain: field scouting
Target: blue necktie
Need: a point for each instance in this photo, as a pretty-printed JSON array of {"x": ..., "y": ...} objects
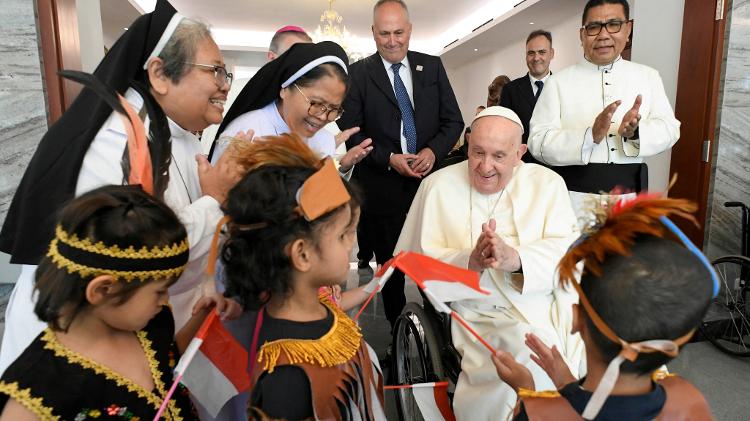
[
  {"x": 407, "y": 113},
  {"x": 539, "y": 85}
]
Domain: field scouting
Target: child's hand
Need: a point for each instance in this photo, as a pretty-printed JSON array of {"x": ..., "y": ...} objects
[
  {"x": 511, "y": 372},
  {"x": 550, "y": 360},
  {"x": 336, "y": 293},
  {"x": 226, "y": 308}
]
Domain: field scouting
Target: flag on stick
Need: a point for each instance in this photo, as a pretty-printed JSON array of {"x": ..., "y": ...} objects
[
  {"x": 380, "y": 278},
  {"x": 218, "y": 367},
  {"x": 431, "y": 398}
]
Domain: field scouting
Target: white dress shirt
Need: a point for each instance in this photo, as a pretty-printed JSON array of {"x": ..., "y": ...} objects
[
  {"x": 533, "y": 80},
  {"x": 405, "y": 72}
]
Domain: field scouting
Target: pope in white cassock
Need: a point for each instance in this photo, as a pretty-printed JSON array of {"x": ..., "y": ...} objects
[
  {"x": 596, "y": 121},
  {"x": 511, "y": 222}
]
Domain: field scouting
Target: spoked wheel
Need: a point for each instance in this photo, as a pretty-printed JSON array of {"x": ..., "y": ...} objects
[
  {"x": 727, "y": 322},
  {"x": 416, "y": 355}
]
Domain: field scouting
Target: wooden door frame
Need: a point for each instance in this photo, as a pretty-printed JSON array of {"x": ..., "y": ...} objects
[
  {"x": 60, "y": 48},
  {"x": 696, "y": 105}
]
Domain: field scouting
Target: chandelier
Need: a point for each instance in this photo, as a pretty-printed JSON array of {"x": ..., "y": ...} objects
[{"x": 332, "y": 28}]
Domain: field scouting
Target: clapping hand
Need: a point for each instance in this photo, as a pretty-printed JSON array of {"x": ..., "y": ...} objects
[
  {"x": 550, "y": 360},
  {"x": 513, "y": 373},
  {"x": 631, "y": 119},
  {"x": 501, "y": 255},
  {"x": 603, "y": 121},
  {"x": 356, "y": 154}
]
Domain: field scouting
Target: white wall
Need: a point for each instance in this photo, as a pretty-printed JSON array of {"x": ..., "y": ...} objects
[
  {"x": 90, "y": 33},
  {"x": 657, "y": 37},
  {"x": 470, "y": 80}
]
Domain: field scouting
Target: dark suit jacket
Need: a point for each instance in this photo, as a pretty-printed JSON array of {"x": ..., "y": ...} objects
[
  {"x": 371, "y": 104},
  {"x": 519, "y": 97}
]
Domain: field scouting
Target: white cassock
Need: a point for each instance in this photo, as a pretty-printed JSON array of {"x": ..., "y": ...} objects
[
  {"x": 560, "y": 127},
  {"x": 535, "y": 217},
  {"x": 101, "y": 166}
]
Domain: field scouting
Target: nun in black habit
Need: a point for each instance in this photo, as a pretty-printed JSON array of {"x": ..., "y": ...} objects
[
  {"x": 183, "y": 84},
  {"x": 300, "y": 91}
]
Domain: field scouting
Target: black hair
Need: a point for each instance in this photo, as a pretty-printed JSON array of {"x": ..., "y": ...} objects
[
  {"x": 597, "y": 3},
  {"x": 255, "y": 262},
  {"x": 321, "y": 71},
  {"x": 660, "y": 291},
  {"x": 539, "y": 33},
  {"x": 121, "y": 215}
]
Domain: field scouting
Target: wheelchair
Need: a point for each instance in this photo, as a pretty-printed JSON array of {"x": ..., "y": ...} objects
[{"x": 422, "y": 352}]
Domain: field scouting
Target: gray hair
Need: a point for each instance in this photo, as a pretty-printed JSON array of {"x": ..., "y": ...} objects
[
  {"x": 182, "y": 46},
  {"x": 382, "y": 2}
]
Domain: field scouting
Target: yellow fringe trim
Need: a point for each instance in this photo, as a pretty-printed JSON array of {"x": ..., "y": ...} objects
[
  {"x": 24, "y": 397},
  {"x": 114, "y": 251},
  {"x": 336, "y": 347},
  {"x": 51, "y": 343},
  {"x": 661, "y": 375},
  {"x": 526, "y": 393}
]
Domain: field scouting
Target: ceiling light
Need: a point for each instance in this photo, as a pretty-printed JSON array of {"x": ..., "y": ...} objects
[
  {"x": 476, "y": 49},
  {"x": 531, "y": 23}
]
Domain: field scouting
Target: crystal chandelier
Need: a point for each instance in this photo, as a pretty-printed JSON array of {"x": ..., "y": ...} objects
[{"x": 332, "y": 28}]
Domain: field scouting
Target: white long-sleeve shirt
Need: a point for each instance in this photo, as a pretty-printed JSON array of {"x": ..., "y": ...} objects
[
  {"x": 198, "y": 213},
  {"x": 560, "y": 128}
]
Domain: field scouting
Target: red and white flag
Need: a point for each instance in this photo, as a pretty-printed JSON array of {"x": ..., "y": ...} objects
[
  {"x": 441, "y": 282},
  {"x": 217, "y": 366},
  {"x": 376, "y": 284},
  {"x": 432, "y": 400}
]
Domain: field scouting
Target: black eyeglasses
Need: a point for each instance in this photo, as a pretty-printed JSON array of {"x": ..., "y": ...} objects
[
  {"x": 220, "y": 73},
  {"x": 595, "y": 28},
  {"x": 317, "y": 109}
]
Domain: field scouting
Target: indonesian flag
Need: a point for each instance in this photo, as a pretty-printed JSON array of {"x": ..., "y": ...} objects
[
  {"x": 440, "y": 281},
  {"x": 377, "y": 283},
  {"x": 218, "y": 366},
  {"x": 432, "y": 400}
]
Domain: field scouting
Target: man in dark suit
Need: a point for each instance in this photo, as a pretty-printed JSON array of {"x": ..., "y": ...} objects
[
  {"x": 404, "y": 102},
  {"x": 520, "y": 95}
]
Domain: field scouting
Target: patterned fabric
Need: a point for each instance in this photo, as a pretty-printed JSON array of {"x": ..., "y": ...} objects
[
  {"x": 539, "y": 85},
  {"x": 407, "y": 112},
  {"x": 57, "y": 383}
]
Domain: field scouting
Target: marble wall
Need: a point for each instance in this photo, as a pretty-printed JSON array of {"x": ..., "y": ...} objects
[
  {"x": 22, "y": 104},
  {"x": 731, "y": 180}
]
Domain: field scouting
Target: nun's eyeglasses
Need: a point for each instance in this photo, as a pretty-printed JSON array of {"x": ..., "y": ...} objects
[
  {"x": 220, "y": 73},
  {"x": 319, "y": 110}
]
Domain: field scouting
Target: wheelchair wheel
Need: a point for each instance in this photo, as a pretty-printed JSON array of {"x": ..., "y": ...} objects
[
  {"x": 416, "y": 354},
  {"x": 727, "y": 322}
]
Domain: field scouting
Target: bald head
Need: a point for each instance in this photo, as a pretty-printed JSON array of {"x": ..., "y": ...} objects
[
  {"x": 281, "y": 42},
  {"x": 494, "y": 151}
]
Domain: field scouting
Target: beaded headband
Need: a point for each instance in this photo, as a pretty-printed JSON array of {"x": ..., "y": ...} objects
[{"x": 90, "y": 259}]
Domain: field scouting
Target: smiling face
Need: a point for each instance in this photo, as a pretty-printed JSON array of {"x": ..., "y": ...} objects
[
  {"x": 539, "y": 54},
  {"x": 604, "y": 48},
  {"x": 327, "y": 90},
  {"x": 494, "y": 151},
  {"x": 391, "y": 30},
  {"x": 197, "y": 100}
]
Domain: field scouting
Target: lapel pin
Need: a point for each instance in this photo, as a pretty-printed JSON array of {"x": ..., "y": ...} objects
[{"x": 419, "y": 67}]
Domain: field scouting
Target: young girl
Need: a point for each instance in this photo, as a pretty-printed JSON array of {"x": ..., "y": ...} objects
[
  {"x": 291, "y": 233},
  {"x": 109, "y": 349}
]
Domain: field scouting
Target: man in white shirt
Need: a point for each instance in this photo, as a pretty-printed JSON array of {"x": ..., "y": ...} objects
[
  {"x": 512, "y": 222},
  {"x": 402, "y": 100},
  {"x": 597, "y": 120},
  {"x": 520, "y": 95}
]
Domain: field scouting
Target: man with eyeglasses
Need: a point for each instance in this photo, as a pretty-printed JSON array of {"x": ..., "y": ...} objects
[{"x": 596, "y": 121}]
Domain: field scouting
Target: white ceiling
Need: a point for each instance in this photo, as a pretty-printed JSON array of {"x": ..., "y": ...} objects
[{"x": 249, "y": 24}]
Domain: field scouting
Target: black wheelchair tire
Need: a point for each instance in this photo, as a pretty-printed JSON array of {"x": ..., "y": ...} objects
[{"x": 708, "y": 328}]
